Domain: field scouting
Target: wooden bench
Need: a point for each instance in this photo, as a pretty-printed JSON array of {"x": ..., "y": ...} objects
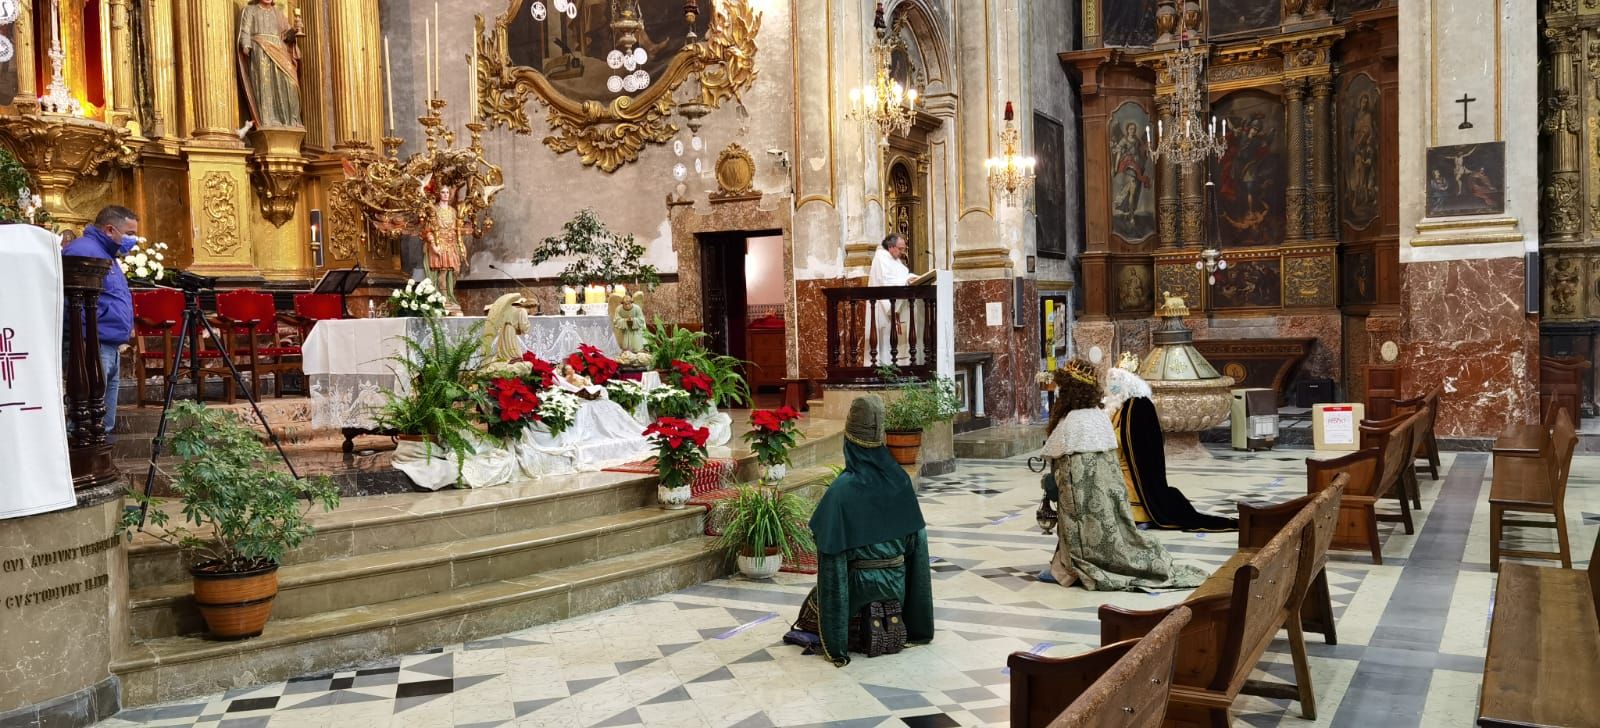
[
  {"x": 1427, "y": 444},
  {"x": 1402, "y": 480},
  {"x": 1561, "y": 380},
  {"x": 1239, "y": 610},
  {"x": 1125, "y": 684},
  {"x": 1534, "y": 483},
  {"x": 1543, "y": 663}
]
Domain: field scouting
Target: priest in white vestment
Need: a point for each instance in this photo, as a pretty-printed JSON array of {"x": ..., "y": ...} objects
[{"x": 889, "y": 269}]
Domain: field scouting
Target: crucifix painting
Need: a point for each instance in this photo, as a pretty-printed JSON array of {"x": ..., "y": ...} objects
[{"x": 1466, "y": 179}]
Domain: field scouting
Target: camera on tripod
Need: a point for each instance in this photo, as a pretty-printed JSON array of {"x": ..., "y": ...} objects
[{"x": 193, "y": 282}]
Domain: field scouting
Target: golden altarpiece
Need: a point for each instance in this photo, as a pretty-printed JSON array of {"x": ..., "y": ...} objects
[
  {"x": 1299, "y": 199},
  {"x": 156, "y": 121}
]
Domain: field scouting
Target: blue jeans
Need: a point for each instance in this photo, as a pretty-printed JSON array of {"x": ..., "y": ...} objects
[{"x": 111, "y": 365}]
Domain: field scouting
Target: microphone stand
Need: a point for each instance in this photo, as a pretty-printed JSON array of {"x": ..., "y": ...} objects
[{"x": 527, "y": 290}]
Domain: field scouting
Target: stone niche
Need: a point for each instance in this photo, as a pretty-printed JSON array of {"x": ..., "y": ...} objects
[{"x": 63, "y": 587}]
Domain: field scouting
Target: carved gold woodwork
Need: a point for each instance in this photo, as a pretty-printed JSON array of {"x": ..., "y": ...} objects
[
  {"x": 1308, "y": 281},
  {"x": 59, "y": 151},
  {"x": 609, "y": 135},
  {"x": 219, "y": 214},
  {"x": 1181, "y": 280},
  {"x": 276, "y": 172},
  {"x": 736, "y": 170}
]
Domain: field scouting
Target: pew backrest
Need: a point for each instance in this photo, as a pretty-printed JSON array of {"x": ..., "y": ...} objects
[
  {"x": 1324, "y": 523},
  {"x": 1393, "y": 435},
  {"x": 1563, "y": 442},
  {"x": 1133, "y": 692},
  {"x": 1262, "y": 590},
  {"x": 1360, "y": 469}
]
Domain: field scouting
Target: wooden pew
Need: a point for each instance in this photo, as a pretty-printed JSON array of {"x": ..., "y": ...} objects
[
  {"x": 1543, "y": 663},
  {"x": 1357, "y": 526},
  {"x": 1534, "y": 484},
  {"x": 1237, "y": 613},
  {"x": 1427, "y": 444},
  {"x": 1402, "y": 479},
  {"x": 1125, "y": 684}
]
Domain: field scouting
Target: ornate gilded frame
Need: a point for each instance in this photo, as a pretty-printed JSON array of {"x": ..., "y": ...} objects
[{"x": 609, "y": 135}]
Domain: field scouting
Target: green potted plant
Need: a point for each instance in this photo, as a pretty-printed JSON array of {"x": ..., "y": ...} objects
[
  {"x": 771, "y": 436},
  {"x": 763, "y": 526},
  {"x": 240, "y": 516},
  {"x": 437, "y": 409},
  {"x": 597, "y": 255},
  {"x": 680, "y": 450},
  {"x": 920, "y": 404}
]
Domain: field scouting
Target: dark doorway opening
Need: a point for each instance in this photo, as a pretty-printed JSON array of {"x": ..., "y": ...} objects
[{"x": 743, "y": 294}]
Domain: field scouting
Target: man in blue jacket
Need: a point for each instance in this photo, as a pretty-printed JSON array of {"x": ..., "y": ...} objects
[{"x": 111, "y": 235}]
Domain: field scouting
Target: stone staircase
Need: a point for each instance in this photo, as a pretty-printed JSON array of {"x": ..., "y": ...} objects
[{"x": 391, "y": 574}]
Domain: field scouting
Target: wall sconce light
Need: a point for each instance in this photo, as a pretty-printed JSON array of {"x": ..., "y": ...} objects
[{"x": 316, "y": 238}]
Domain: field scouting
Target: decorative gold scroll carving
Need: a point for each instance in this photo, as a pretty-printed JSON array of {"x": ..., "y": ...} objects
[
  {"x": 735, "y": 170},
  {"x": 613, "y": 134},
  {"x": 1180, "y": 280},
  {"x": 344, "y": 232},
  {"x": 1308, "y": 281},
  {"x": 220, "y": 207}
]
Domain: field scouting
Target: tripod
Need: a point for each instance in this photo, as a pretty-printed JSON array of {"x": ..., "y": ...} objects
[{"x": 194, "y": 321}]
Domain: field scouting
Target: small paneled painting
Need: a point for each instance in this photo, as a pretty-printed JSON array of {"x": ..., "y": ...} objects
[
  {"x": 1243, "y": 16},
  {"x": 1248, "y": 284},
  {"x": 1133, "y": 174},
  {"x": 1466, "y": 179}
]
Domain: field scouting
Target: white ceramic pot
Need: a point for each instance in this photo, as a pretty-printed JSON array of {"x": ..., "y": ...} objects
[
  {"x": 571, "y": 309},
  {"x": 760, "y": 567},
  {"x": 672, "y": 499},
  {"x": 775, "y": 474}
]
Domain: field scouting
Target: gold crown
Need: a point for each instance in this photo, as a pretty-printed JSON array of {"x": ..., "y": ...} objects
[{"x": 1080, "y": 370}]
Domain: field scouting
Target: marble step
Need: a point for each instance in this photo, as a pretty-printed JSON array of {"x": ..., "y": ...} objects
[
  {"x": 172, "y": 668},
  {"x": 305, "y": 589}
]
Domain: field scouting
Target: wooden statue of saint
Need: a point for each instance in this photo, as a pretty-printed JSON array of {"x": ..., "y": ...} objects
[{"x": 269, "y": 63}]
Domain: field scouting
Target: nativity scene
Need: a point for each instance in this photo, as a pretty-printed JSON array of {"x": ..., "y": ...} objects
[{"x": 700, "y": 362}]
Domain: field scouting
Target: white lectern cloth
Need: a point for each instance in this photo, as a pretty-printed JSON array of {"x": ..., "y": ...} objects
[{"x": 35, "y": 475}]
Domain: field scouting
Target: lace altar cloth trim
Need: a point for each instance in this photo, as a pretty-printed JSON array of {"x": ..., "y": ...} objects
[{"x": 350, "y": 362}]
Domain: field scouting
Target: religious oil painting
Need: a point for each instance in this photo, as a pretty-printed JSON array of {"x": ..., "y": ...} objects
[
  {"x": 1133, "y": 293},
  {"x": 1248, "y": 284},
  {"x": 1343, "y": 8},
  {"x": 1228, "y": 17},
  {"x": 1133, "y": 172},
  {"x": 1360, "y": 112},
  {"x": 1360, "y": 277},
  {"x": 1050, "y": 187},
  {"x": 1128, "y": 23},
  {"x": 1466, "y": 179},
  {"x": 1054, "y": 332},
  {"x": 1251, "y": 173},
  {"x": 589, "y": 52}
]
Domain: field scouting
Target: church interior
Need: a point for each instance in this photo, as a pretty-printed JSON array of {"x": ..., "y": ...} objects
[{"x": 799, "y": 363}]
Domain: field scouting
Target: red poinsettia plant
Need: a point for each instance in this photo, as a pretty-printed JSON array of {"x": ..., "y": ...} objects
[
  {"x": 689, "y": 379},
  {"x": 594, "y": 364},
  {"x": 772, "y": 434},
  {"x": 680, "y": 448},
  {"x": 513, "y": 407},
  {"x": 543, "y": 372}
]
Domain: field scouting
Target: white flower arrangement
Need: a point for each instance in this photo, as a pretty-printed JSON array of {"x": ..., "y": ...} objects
[
  {"x": 670, "y": 401},
  {"x": 145, "y": 261},
  {"x": 417, "y": 300},
  {"x": 627, "y": 393},
  {"x": 557, "y": 410}
]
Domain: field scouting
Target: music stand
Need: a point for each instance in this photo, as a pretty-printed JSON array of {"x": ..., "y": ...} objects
[{"x": 343, "y": 282}]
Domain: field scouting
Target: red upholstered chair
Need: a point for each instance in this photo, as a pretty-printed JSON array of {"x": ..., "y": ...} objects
[
  {"x": 309, "y": 308},
  {"x": 248, "y": 322},
  {"x": 157, "y": 321}
]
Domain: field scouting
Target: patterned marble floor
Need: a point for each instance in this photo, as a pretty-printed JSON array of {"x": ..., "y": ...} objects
[{"x": 1412, "y": 631}]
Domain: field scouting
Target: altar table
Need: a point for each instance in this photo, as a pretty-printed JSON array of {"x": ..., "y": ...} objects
[{"x": 350, "y": 362}]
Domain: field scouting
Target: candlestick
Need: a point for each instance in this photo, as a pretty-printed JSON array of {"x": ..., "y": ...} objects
[
  {"x": 55, "y": 22},
  {"x": 427, "y": 56},
  {"x": 388, "y": 80}
]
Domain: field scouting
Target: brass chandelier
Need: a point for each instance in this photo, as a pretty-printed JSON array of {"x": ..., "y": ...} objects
[
  {"x": 884, "y": 104},
  {"x": 1193, "y": 139},
  {"x": 1010, "y": 175}
]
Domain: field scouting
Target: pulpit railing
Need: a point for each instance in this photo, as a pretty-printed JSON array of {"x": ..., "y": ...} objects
[
  {"x": 83, "y": 279},
  {"x": 873, "y": 327}
]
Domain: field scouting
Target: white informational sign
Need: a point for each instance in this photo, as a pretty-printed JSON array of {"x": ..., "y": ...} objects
[
  {"x": 1337, "y": 426},
  {"x": 35, "y": 475}
]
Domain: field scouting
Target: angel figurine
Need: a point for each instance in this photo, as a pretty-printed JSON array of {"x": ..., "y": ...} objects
[
  {"x": 629, "y": 323},
  {"x": 444, "y": 234},
  {"x": 508, "y": 322}
]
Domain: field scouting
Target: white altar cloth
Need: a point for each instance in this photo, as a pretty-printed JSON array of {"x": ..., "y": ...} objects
[
  {"x": 36, "y": 476},
  {"x": 349, "y": 362}
]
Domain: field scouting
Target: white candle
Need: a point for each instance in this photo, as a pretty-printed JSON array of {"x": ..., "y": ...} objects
[
  {"x": 472, "y": 71},
  {"x": 438, "y": 30},
  {"x": 388, "y": 81},
  {"x": 427, "y": 55},
  {"x": 55, "y": 22}
]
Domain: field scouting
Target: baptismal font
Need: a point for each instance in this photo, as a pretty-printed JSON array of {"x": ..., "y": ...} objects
[{"x": 1189, "y": 394}]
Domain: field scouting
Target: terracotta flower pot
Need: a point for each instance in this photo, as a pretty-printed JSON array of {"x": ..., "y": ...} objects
[
  {"x": 236, "y": 605},
  {"x": 904, "y": 446},
  {"x": 760, "y": 567}
]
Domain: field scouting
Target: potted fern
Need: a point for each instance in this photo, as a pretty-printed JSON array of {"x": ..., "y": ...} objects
[
  {"x": 240, "y": 516},
  {"x": 762, "y": 527},
  {"x": 436, "y": 411}
]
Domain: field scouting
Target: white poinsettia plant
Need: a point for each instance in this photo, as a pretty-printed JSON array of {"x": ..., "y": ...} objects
[
  {"x": 419, "y": 299},
  {"x": 557, "y": 408},
  {"x": 145, "y": 261}
]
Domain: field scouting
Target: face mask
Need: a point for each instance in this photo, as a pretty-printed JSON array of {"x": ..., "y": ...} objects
[{"x": 128, "y": 241}]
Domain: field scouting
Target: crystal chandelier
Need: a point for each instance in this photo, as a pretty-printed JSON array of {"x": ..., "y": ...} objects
[
  {"x": 1194, "y": 138},
  {"x": 884, "y": 103},
  {"x": 1210, "y": 262},
  {"x": 1010, "y": 175}
]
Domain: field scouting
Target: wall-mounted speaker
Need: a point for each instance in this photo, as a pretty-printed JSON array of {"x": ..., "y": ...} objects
[
  {"x": 1531, "y": 295},
  {"x": 1019, "y": 305}
]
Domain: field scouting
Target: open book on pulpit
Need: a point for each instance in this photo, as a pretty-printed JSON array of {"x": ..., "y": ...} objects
[{"x": 923, "y": 279}]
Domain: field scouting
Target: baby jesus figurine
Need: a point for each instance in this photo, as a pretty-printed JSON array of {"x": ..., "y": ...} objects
[{"x": 571, "y": 381}]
